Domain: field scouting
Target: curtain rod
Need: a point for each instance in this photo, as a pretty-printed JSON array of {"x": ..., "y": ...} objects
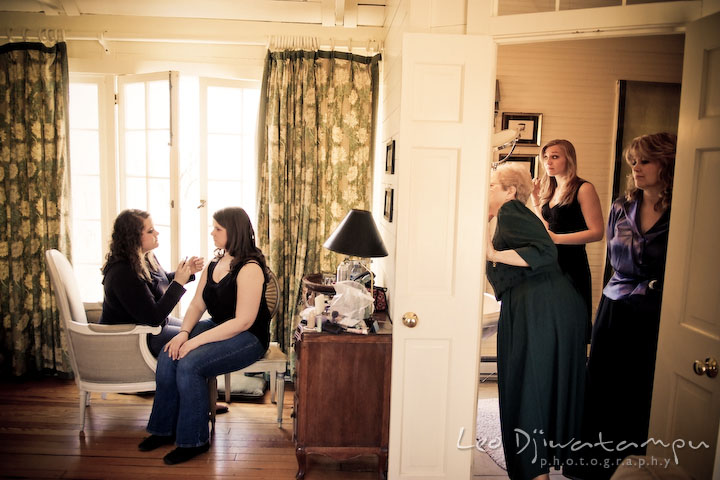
[
  {"x": 285, "y": 42},
  {"x": 52, "y": 35}
]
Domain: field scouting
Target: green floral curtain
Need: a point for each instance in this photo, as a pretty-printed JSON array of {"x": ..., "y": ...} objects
[
  {"x": 33, "y": 185},
  {"x": 315, "y": 137}
]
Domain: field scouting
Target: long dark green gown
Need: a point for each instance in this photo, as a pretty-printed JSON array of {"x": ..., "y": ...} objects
[{"x": 541, "y": 347}]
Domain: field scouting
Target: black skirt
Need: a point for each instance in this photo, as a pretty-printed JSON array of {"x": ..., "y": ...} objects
[{"x": 619, "y": 383}]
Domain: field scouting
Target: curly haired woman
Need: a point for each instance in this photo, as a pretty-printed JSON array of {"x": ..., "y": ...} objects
[{"x": 137, "y": 289}]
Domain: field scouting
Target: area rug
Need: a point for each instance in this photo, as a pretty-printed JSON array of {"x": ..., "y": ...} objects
[{"x": 487, "y": 434}]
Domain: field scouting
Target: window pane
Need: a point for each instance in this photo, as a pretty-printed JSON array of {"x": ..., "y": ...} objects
[
  {"x": 159, "y": 104},
  {"x": 223, "y": 194},
  {"x": 162, "y": 253},
  {"x": 577, "y": 4},
  {"x": 84, "y": 164},
  {"x": 84, "y": 105},
  {"x": 159, "y": 201},
  {"x": 86, "y": 198},
  {"x": 224, "y": 110},
  {"x": 158, "y": 153},
  {"x": 248, "y": 152},
  {"x": 87, "y": 245},
  {"x": 135, "y": 153},
  {"x": 224, "y": 156},
  {"x": 135, "y": 193},
  {"x": 512, "y": 7},
  {"x": 134, "y": 105},
  {"x": 636, "y": 2},
  {"x": 251, "y": 97},
  {"x": 90, "y": 281},
  {"x": 85, "y": 151}
]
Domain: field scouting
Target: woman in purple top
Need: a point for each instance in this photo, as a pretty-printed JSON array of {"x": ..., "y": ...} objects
[{"x": 624, "y": 338}]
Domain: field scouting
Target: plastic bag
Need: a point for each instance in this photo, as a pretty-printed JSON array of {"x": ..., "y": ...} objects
[{"x": 352, "y": 300}]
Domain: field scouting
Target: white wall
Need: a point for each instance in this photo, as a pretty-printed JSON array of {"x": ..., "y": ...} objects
[
  {"x": 573, "y": 84},
  {"x": 430, "y": 16}
]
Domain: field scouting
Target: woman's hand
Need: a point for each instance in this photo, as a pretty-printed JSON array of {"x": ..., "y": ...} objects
[
  {"x": 187, "y": 347},
  {"x": 536, "y": 192},
  {"x": 490, "y": 251},
  {"x": 196, "y": 264},
  {"x": 174, "y": 345},
  {"x": 554, "y": 237},
  {"x": 183, "y": 272}
]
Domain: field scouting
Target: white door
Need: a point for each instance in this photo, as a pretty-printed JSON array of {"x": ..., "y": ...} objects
[
  {"x": 686, "y": 406},
  {"x": 148, "y": 154},
  {"x": 443, "y": 159}
]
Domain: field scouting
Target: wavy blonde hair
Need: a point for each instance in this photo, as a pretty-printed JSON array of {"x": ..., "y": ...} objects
[
  {"x": 659, "y": 148},
  {"x": 548, "y": 184}
]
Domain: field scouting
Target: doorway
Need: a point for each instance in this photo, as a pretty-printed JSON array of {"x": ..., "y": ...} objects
[{"x": 573, "y": 85}]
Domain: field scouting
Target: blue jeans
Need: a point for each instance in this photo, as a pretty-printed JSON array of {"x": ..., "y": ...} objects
[
  {"x": 168, "y": 332},
  {"x": 181, "y": 402}
]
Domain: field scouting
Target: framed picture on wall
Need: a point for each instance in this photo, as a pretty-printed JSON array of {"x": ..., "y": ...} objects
[
  {"x": 390, "y": 157},
  {"x": 531, "y": 160},
  {"x": 528, "y": 124},
  {"x": 388, "y": 210}
]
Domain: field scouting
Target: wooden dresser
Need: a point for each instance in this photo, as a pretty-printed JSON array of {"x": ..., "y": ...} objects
[{"x": 342, "y": 397}]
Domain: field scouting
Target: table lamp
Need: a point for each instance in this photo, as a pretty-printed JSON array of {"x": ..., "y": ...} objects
[{"x": 358, "y": 236}]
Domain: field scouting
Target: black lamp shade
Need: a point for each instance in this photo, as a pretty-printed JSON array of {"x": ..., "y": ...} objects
[{"x": 357, "y": 235}]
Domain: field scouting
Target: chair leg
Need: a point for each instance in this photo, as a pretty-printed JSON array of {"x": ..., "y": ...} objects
[
  {"x": 280, "y": 380},
  {"x": 213, "y": 395},
  {"x": 84, "y": 401},
  {"x": 273, "y": 392},
  {"x": 228, "y": 387}
]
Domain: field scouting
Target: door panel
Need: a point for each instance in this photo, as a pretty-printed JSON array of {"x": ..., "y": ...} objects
[
  {"x": 686, "y": 406},
  {"x": 444, "y": 159}
]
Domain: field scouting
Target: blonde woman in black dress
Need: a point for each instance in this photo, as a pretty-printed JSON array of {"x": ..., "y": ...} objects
[{"x": 570, "y": 209}]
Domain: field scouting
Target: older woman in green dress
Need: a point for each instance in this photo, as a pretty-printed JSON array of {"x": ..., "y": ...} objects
[{"x": 541, "y": 334}]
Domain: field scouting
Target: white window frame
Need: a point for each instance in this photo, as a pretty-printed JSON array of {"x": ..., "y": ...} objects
[
  {"x": 205, "y": 216},
  {"x": 172, "y": 77},
  {"x": 106, "y": 154}
]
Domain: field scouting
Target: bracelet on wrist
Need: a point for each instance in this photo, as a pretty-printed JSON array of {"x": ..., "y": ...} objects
[{"x": 186, "y": 331}]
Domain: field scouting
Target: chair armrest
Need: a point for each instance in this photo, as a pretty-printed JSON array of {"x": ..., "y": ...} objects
[
  {"x": 120, "y": 329},
  {"x": 93, "y": 311}
]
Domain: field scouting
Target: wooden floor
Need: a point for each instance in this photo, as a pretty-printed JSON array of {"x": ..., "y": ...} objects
[{"x": 39, "y": 438}]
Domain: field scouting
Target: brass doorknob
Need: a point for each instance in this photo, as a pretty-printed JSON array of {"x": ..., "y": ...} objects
[
  {"x": 709, "y": 367},
  {"x": 410, "y": 319}
]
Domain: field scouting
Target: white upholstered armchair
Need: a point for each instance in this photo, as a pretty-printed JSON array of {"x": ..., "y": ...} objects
[{"x": 104, "y": 358}]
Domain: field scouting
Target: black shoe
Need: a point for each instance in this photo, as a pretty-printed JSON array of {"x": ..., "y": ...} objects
[
  {"x": 154, "y": 441},
  {"x": 183, "y": 454},
  {"x": 221, "y": 408}
]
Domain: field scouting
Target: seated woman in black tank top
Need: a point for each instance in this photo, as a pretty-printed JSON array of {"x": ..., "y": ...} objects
[
  {"x": 232, "y": 290},
  {"x": 570, "y": 209}
]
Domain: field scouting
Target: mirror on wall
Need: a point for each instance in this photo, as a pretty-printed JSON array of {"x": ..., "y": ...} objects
[{"x": 643, "y": 108}]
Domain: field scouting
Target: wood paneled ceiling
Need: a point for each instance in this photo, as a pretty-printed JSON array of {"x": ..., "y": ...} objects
[{"x": 328, "y": 13}]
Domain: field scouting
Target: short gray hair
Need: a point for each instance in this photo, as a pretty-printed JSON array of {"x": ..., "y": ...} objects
[{"x": 518, "y": 176}]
